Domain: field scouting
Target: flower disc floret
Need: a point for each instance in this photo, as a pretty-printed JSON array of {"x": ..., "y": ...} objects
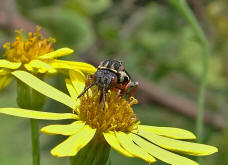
[
  {"x": 25, "y": 50},
  {"x": 117, "y": 115}
]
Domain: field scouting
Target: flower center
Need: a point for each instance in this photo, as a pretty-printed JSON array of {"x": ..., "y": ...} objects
[
  {"x": 24, "y": 50},
  {"x": 117, "y": 115}
]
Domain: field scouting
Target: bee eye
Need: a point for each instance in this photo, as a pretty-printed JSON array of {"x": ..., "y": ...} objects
[
  {"x": 123, "y": 77},
  {"x": 126, "y": 79}
]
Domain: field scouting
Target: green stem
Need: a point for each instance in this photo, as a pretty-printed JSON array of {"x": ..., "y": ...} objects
[
  {"x": 201, "y": 97},
  {"x": 30, "y": 99},
  {"x": 35, "y": 141},
  {"x": 184, "y": 9}
]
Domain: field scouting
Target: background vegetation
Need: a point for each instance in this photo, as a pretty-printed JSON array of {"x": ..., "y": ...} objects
[{"x": 158, "y": 48}]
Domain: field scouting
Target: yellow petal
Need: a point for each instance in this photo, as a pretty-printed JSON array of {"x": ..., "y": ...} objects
[
  {"x": 132, "y": 148},
  {"x": 45, "y": 88},
  {"x": 177, "y": 145},
  {"x": 78, "y": 81},
  {"x": 82, "y": 66},
  {"x": 58, "y": 53},
  {"x": 9, "y": 65},
  {"x": 175, "y": 133},
  {"x": 114, "y": 143},
  {"x": 4, "y": 81},
  {"x": 37, "y": 66},
  {"x": 37, "y": 114},
  {"x": 162, "y": 154},
  {"x": 73, "y": 93},
  {"x": 64, "y": 129},
  {"x": 71, "y": 89},
  {"x": 74, "y": 143}
]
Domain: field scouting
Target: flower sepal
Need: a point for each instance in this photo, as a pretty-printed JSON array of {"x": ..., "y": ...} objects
[
  {"x": 96, "y": 152},
  {"x": 29, "y": 98}
]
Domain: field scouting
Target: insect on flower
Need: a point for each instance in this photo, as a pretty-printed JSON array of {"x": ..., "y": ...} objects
[
  {"x": 95, "y": 131},
  {"x": 111, "y": 75}
]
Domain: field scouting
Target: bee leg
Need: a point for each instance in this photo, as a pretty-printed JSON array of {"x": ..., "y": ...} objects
[
  {"x": 104, "y": 97},
  {"x": 118, "y": 91},
  {"x": 101, "y": 96},
  {"x": 86, "y": 89},
  {"x": 132, "y": 88},
  {"x": 89, "y": 79},
  {"x": 123, "y": 90}
]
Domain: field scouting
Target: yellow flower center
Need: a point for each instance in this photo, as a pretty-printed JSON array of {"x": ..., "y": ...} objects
[
  {"x": 24, "y": 50},
  {"x": 117, "y": 115}
]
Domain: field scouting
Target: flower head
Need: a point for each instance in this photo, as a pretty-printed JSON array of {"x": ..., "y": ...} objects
[
  {"x": 36, "y": 55},
  {"x": 117, "y": 116},
  {"x": 117, "y": 125},
  {"x": 25, "y": 50}
]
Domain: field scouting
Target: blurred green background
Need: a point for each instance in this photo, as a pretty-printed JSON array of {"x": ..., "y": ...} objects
[{"x": 158, "y": 48}]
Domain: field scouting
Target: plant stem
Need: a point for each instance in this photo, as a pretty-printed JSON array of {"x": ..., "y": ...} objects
[
  {"x": 201, "y": 97},
  {"x": 184, "y": 9},
  {"x": 30, "y": 99},
  {"x": 35, "y": 141}
]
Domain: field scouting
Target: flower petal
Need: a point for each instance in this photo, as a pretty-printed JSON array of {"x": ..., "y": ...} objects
[
  {"x": 82, "y": 66},
  {"x": 114, "y": 143},
  {"x": 132, "y": 148},
  {"x": 44, "y": 88},
  {"x": 162, "y": 154},
  {"x": 175, "y": 133},
  {"x": 37, "y": 114},
  {"x": 73, "y": 93},
  {"x": 57, "y": 53},
  {"x": 73, "y": 144},
  {"x": 9, "y": 65},
  {"x": 78, "y": 81},
  {"x": 64, "y": 129},
  {"x": 177, "y": 145},
  {"x": 4, "y": 81},
  {"x": 37, "y": 66}
]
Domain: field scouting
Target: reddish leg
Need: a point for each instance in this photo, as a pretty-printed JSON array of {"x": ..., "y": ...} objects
[
  {"x": 89, "y": 80},
  {"x": 133, "y": 86},
  {"x": 127, "y": 89},
  {"x": 89, "y": 83}
]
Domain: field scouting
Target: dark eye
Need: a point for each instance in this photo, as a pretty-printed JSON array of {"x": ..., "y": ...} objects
[{"x": 123, "y": 77}]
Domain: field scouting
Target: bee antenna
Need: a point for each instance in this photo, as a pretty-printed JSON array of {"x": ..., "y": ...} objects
[{"x": 86, "y": 89}]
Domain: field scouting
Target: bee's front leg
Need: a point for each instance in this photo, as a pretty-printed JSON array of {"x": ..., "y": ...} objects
[
  {"x": 88, "y": 84},
  {"x": 89, "y": 80},
  {"x": 132, "y": 88}
]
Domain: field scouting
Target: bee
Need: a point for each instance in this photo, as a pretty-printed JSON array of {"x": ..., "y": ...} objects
[{"x": 111, "y": 75}]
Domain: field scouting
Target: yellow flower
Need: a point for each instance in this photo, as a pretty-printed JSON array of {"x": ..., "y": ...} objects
[
  {"x": 116, "y": 124},
  {"x": 37, "y": 56}
]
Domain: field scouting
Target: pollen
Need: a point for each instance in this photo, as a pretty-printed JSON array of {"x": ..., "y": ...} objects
[
  {"x": 117, "y": 115},
  {"x": 26, "y": 49}
]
